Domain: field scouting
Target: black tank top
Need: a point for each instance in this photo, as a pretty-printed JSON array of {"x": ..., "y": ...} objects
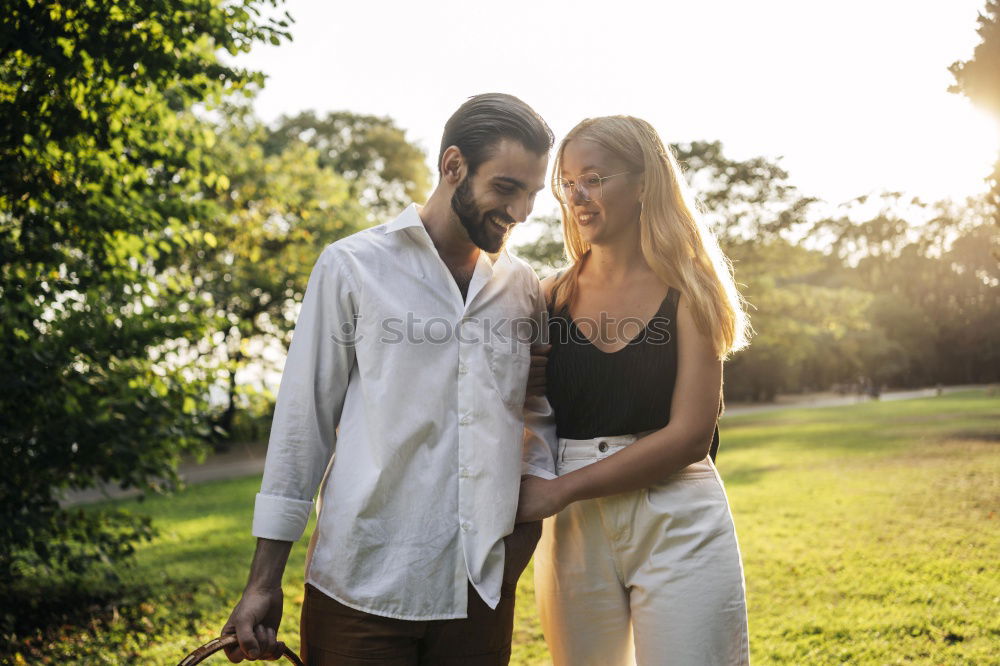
[{"x": 599, "y": 394}]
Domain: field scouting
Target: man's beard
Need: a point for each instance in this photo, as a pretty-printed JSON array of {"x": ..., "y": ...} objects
[{"x": 479, "y": 224}]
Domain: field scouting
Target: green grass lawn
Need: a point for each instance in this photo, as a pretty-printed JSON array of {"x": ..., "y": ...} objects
[{"x": 869, "y": 534}]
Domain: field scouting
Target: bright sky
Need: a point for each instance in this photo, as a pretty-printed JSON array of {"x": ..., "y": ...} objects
[{"x": 852, "y": 95}]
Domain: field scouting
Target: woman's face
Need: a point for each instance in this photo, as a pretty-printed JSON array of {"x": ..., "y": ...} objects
[{"x": 613, "y": 206}]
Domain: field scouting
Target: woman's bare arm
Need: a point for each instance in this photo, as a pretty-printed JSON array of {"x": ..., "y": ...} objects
[{"x": 685, "y": 440}]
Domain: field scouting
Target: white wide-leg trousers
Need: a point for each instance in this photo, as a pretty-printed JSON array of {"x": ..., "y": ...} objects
[{"x": 651, "y": 577}]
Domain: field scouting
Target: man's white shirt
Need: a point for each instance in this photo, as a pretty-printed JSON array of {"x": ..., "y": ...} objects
[{"x": 409, "y": 400}]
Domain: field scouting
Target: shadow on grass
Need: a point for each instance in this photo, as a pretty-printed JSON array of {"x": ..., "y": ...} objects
[
  {"x": 979, "y": 436},
  {"x": 747, "y": 475},
  {"x": 88, "y": 621},
  {"x": 115, "y": 616}
]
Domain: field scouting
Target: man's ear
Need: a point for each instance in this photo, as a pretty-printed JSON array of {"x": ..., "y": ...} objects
[{"x": 453, "y": 166}]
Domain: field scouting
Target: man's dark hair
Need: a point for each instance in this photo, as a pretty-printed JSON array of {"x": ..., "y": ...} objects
[{"x": 484, "y": 120}]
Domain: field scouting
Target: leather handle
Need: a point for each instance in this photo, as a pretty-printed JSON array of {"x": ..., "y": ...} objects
[{"x": 222, "y": 642}]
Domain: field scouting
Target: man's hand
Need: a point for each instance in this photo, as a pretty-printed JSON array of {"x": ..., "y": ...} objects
[
  {"x": 255, "y": 622},
  {"x": 256, "y": 617},
  {"x": 536, "y": 372},
  {"x": 519, "y": 545}
]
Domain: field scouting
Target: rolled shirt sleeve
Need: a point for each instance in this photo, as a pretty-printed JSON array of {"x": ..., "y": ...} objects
[
  {"x": 310, "y": 401},
  {"x": 540, "y": 442}
]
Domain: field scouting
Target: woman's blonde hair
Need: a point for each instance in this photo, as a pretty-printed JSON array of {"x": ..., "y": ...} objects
[{"x": 675, "y": 243}]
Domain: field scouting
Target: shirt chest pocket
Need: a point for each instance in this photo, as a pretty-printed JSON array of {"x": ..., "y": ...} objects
[{"x": 509, "y": 372}]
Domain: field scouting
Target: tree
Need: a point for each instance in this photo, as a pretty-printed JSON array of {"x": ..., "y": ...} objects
[
  {"x": 741, "y": 198},
  {"x": 275, "y": 213},
  {"x": 384, "y": 171},
  {"x": 102, "y": 169},
  {"x": 977, "y": 255},
  {"x": 288, "y": 190},
  {"x": 979, "y": 79},
  {"x": 545, "y": 252},
  {"x": 807, "y": 325},
  {"x": 933, "y": 291}
]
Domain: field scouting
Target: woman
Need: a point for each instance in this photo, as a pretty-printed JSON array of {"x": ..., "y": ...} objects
[{"x": 639, "y": 560}]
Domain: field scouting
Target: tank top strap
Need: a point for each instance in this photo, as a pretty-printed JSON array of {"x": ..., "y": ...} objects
[{"x": 673, "y": 298}]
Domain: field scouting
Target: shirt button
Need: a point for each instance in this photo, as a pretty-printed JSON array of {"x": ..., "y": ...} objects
[
  {"x": 465, "y": 420},
  {"x": 602, "y": 447},
  {"x": 464, "y": 472},
  {"x": 466, "y": 526},
  {"x": 462, "y": 368}
]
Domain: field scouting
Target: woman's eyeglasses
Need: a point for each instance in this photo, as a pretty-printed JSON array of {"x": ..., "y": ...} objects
[{"x": 589, "y": 185}]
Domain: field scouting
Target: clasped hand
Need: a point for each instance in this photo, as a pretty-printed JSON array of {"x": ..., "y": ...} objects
[{"x": 539, "y": 498}]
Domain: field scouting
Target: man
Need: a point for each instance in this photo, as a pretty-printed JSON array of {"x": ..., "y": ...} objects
[{"x": 408, "y": 368}]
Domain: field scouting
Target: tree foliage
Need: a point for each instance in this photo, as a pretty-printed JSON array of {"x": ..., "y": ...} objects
[
  {"x": 979, "y": 79},
  {"x": 102, "y": 169},
  {"x": 276, "y": 210},
  {"x": 384, "y": 171},
  {"x": 741, "y": 198}
]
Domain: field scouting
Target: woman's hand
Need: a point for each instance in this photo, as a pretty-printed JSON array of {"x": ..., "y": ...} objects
[{"x": 539, "y": 498}]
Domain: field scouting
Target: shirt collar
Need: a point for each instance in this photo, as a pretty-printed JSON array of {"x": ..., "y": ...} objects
[
  {"x": 497, "y": 259},
  {"x": 410, "y": 217}
]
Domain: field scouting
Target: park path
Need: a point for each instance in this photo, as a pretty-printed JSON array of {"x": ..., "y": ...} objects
[
  {"x": 244, "y": 460},
  {"x": 240, "y": 461}
]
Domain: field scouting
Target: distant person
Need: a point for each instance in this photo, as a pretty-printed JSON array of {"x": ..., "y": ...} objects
[
  {"x": 874, "y": 389},
  {"x": 638, "y": 558},
  {"x": 406, "y": 371}
]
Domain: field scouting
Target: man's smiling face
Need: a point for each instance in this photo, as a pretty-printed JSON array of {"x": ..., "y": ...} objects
[{"x": 500, "y": 194}]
